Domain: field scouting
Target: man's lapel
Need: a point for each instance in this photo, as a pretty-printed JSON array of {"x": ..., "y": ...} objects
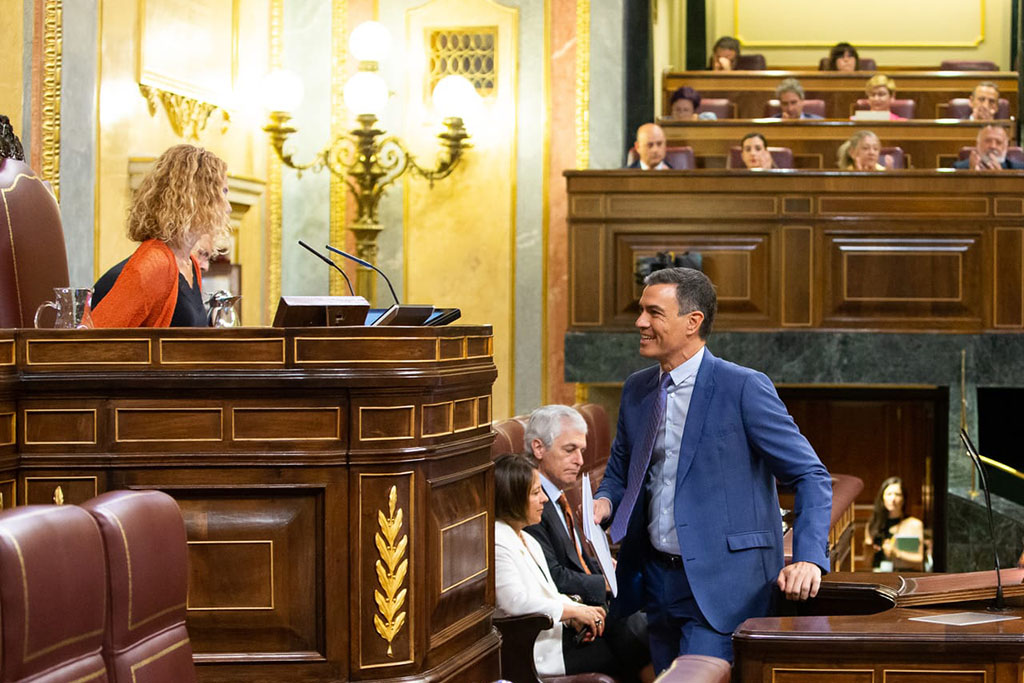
[
  {"x": 697, "y": 414},
  {"x": 552, "y": 518}
]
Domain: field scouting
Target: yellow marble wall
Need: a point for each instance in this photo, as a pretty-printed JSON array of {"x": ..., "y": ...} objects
[
  {"x": 11, "y": 86},
  {"x": 127, "y": 130},
  {"x": 459, "y": 235}
]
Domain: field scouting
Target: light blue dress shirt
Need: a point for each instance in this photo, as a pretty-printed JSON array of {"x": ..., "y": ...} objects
[{"x": 661, "y": 477}]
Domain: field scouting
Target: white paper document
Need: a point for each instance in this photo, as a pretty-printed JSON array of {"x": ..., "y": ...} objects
[
  {"x": 597, "y": 537},
  {"x": 963, "y": 618}
]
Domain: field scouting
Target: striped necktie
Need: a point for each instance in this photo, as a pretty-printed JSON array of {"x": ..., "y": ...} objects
[
  {"x": 567, "y": 513},
  {"x": 639, "y": 462}
]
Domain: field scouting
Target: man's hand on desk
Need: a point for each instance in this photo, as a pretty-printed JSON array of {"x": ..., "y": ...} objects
[{"x": 800, "y": 580}]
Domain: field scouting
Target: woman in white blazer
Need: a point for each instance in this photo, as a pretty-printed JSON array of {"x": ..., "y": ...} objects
[{"x": 522, "y": 580}]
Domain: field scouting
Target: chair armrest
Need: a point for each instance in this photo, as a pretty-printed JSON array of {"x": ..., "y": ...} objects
[
  {"x": 517, "y": 637},
  {"x": 697, "y": 669}
]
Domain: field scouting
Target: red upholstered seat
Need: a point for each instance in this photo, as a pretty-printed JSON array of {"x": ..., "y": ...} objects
[
  {"x": 967, "y": 65},
  {"x": 33, "y": 258},
  {"x": 901, "y": 107},
  {"x": 899, "y": 158},
  {"x": 720, "y": 106},
  {"x": 782, "y": 156},
  {"x": 53, "y": 596},
  {"x": 816, "y": 107},
  {"x": 960, "y": 108},
  {"x": 144, "y": 536},
  {"x": 679, "y": 158},
  {"x": 508, "y": 437}
]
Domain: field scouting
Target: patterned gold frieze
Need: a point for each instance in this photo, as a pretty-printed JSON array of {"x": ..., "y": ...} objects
[
  {"x": 188, "y": 117},
  {"x": 53, "y": 47},
  {"x": 391, "y": 571}
]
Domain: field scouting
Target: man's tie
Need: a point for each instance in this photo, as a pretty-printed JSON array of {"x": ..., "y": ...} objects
[
  {"x": 639, "y": 461},
  {"x": 567, "y": 512}
]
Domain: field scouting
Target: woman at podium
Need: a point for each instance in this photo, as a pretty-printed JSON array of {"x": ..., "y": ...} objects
[{"x": 181, "y": 201}]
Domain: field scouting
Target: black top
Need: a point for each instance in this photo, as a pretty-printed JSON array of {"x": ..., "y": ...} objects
[{"x": 189, "y": 310}]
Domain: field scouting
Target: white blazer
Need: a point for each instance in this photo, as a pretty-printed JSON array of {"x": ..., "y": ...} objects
[{"x": 523, "y": 585}]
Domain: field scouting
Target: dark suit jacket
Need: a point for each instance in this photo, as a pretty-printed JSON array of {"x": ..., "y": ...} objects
[
  {"x": 737, "y": 440},
  {"x": 565, "y": 567},
  {"x": 1012, "y": 164}
]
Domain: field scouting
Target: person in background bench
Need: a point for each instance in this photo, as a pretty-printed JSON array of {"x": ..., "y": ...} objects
[
  {"x": 984, "y": 101},
  {"x": 889, "y": 521},
  {"x": 989, "y": 153},
  {"x": 861, "y": 152},
  {"x": 650, "y": 148},
  {"x": 881, "y": 90},
  {"x": 724, "y": 54},
  {"x": 754, "y": 152},
  {"x": 556, "y": 435},
  {"x": 683, "y": 104},
  {"x": 523, "y": 584},
  {"x": 843, "y": 57},
  {"x": 790, "y": 95}
]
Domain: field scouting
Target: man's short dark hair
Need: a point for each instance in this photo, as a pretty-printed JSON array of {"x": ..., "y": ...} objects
[
  {"x": 727, "y": 43},
  {"x": 694, "y": 292},
  {"x": 513, "y": 476}
]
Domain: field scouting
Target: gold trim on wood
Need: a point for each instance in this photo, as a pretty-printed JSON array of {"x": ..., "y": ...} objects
[
  {"x": 412, "y": 423},
  {"x": 887, "y": 671},
  {"x": 9, "y": 343},
  {"x": 435, "y": 359},
  {"x": 13, "y": 427},
  {"x": 95, "y": 484},
  {"x": 582, "y": 83},
  {"x": 24, "y": 421},
  {"x": 255, "y": 340},
  {"x": 474, "y": 411},
  {"x": 188, "y": 117},
  {"x": 274, "y": 177},
  {"x": 790, "y": 669},
  {"x": 339, "y": 129},
  {"x": 30, "y": 342},
  {"x": 14, "y": 493},
  {"x": 242, "y": 409},
  {"x": 487, "y": 540},
  {"x": 238, "y": 608},
  {"x": 451, "y": 416},
  {"x": 391, "y": 570},
  {"x": 167, "y": 409},
  {"x": 959, "y": 254},
  {"x": 53, "y": 46}
]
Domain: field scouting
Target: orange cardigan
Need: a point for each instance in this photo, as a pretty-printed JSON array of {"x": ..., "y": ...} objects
[{"x": 146, "y": 291}]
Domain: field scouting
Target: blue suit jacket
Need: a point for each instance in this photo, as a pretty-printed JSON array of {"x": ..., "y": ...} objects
[{"x": 737, "y": 440}]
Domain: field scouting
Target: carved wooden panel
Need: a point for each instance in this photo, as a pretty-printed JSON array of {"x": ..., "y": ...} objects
[
  {"x": 8, "y": 430},
  {"x": 204, "y": 351},
  {"x": 821, "y": 675},
  {"x": 479, "y": 347},
  {"x": 88, "y": 352},
  {"x": 935, "y": 675},
  {"x": 797, "y": 270},
  {"x": 452, "y": 348},
  {"x": 168, "y": 424},
  {"x": 253, "y": 560},
  {"x": 386, "y": 423},
  {"x": 59, "y": 490},
  {"x": 737, "y": 262},
  {"x": 1008, "y": 294},
  {"x": 286, "y": 423},
  {"x": 693, "y": 206},
  {"x": 364, "y": 350},
  {"x": 867, "y": 205},
  {"x": 586, "y": 254},
  {"x": 59, "y": 426},
  {"x": 8, "y": 493},
  {"x": 6, "y": 352},
  {"x": 384, "y": 601}
]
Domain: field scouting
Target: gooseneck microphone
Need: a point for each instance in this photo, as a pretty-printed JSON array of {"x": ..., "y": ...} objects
[
  {"x": 365, "y": 264},
  {"x": 331, "y": 263},
  {"x": 976, "y": 459}
]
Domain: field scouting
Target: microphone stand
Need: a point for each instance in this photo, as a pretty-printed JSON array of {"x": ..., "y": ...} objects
[
  {"x": 365, "y": 264},
  {"x": 999, "y": 605},
  {"x": 331, "y": 263}
]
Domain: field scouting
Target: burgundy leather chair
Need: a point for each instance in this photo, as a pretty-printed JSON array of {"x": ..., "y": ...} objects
[
  {"x": 33, "y": 258},
  {"x": 816, "y": 107},
  {"x": 960, "y": 108},
  {"x": 722, "y": 107},
  {"x": 1012, "y": 152},
  {"x": 901, "y": 107},
  {"x": 508, "y": 436},
  {"x": 147, "y": 557},
  {"x": 53, "y": 596},
  {"x": 751, "y": 62},
  {"x": 697, "y": 669},
  {"x": 517, "y": 665},
  {"x": 782, "y": 156},
  {"x": 899, "y": 157},
  {"x": 866, "y": 64},
  {"x": 967, "y": 65}
]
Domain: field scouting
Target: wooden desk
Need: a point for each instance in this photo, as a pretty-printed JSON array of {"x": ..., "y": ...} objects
[
  {"x": 308, "y": 464},
  {"x": 910, "y": 250},
  {"x": 927, "y": 144},
  {"x": 751, "y": 90}
]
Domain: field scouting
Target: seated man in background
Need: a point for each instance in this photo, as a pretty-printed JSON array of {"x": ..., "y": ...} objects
[
  {"x": 984, "y": 101},
  {"x": 683, "y": 104},
  {"x": 650, "y": 148},
  {"x": 790, "y": 95},
  {"x": 725, "y": 54},
  {"x": 989, "y": 153}
]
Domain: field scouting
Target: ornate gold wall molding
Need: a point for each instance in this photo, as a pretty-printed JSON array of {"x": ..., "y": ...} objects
[
  {"x": 582, "y": 83},
  {"x": 274, "y": 190},
  {"x": 53, "y": 38},
  {"x": 339, "y": 125},
  {"x": 188, "y": 117},
  {"x": 391, "y": 570}
]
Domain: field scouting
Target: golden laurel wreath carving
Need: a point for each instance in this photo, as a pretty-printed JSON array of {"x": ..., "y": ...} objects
[{"x": 391, "y": 570}]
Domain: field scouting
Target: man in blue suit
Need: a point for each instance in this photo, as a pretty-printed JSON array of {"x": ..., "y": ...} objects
[{"x": 690, "y": 486}]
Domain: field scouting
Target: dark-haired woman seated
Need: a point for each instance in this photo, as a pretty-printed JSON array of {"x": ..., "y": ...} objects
[
  {"x": 843, "y": 57},
  {"x": 578, "y": 642},
  {"x": 754, "y": 152},
  {"x": 683, "y": 104}
]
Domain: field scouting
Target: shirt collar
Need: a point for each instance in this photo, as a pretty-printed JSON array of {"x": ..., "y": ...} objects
[
  {"x": 686, "y": 371},
  {"x": 552, "y": 491}
]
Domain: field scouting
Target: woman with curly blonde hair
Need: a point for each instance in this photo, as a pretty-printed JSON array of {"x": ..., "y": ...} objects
[{"x": 182, "y": 200}]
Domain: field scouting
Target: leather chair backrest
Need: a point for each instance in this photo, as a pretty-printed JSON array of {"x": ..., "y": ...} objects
[
  {"x": 899, "y": 158},
  {"x": 508, "y": 437},
  {"x": 866, "y": 64},
  {"x": 144, "y": 536},
  {"x": 722, "y": 107},
  {"x": 679, "y": 158},
  {"x": 772, "y": 108},
  {"x": 967, "y": 65},
  {"x": 33, "y": 257},
  {"x": 751, "y": 62},
  {"x": 782, "y": 156},
  {"x": 1012, "y": 152},
  {"x": 960, "y": 108},
  {"x": 53, "y": 595},
  {"x": 901, "y": 107}
]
